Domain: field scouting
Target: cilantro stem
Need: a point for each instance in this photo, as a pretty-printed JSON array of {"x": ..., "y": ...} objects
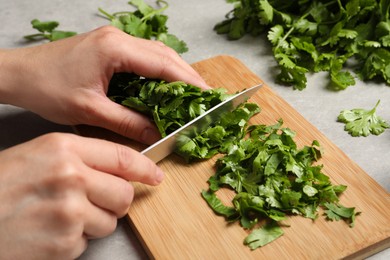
[
  {"x": 107, "y": 15},
  {"x": 157, "y": 11},
  {"x": 146, "y": 17},
  {"x": 301, "y": 18},
  {"x": 374, "y": 109},
  {"x": 34, "y": 36}
]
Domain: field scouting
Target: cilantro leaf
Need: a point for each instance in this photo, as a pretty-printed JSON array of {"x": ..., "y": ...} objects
[
  {"x": 264, "y": 235},
  {"x": 47, "y": 31},
  {"x": 217, "y": 206},
  {"x": 362, "y": 122},
  {"x": 337, "y": 212}
]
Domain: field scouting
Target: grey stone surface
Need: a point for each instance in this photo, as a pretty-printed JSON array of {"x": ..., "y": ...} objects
[{"x": 193, "y": 22}]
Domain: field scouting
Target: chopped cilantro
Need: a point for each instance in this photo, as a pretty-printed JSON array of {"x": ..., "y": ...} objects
[{"x": 271, "y": 176}]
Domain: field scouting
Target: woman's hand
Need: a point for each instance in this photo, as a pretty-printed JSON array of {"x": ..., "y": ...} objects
[
  {"x": 56, "y": 191},
  {"x": 66, "y": 81}
]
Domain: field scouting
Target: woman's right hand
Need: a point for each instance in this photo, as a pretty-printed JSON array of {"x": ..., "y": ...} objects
[{"x": 59, "y": 190}]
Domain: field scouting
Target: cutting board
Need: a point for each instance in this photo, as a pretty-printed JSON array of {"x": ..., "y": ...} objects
[{"x": 173, "y": 221}]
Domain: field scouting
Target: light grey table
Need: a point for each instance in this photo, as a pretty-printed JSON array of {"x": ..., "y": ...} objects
[{"x": 193, "y": 21}]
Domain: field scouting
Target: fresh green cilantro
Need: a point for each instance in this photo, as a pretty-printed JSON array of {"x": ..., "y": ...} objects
[
  {"x": 146, "y": 22},
  {"x": 362, "y": 122},
  {"x": 171, "y": 105},
  {"x": 47, "y": 30},
  {"x": 313, "y": 36}
]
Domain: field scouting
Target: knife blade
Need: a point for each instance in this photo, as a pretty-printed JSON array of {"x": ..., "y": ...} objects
[{"x": 165, "y": 146}]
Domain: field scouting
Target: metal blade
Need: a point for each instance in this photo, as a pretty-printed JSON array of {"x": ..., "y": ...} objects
[{"x": 167, "y": 145}]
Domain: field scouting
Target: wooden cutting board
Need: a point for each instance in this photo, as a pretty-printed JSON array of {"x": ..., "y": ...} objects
[{"x": 174, "y": 222}]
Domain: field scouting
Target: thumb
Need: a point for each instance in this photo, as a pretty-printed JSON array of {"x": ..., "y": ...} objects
[{"x": 126, "y": 122}]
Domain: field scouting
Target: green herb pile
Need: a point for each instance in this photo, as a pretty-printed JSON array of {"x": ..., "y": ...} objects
[
  {"x": 362, "y": 122},
  {"x": 272, "y": 178},
  {"x": 337, "y": 36}
]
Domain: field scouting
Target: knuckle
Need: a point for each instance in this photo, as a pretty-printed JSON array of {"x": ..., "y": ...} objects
[
  {"x": 134, "y": 167},
  {"x": 168, "y": 56},
  {"x": 69, "y": 213},
  {"x": 105, "y": 37},
  {"x": 105, "y": 34},
  {"x": 66, "y": 175},
  {"x": 58, "y": 142},
  {"x": 123, "y": 158},
  {"x": 128, "y": 127},
  {"x": 89, "y": 112}
]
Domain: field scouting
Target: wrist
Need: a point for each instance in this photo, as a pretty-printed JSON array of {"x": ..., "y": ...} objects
[
  {"x": 8, "y": 74},
  {"x": 13, "y": 71}
]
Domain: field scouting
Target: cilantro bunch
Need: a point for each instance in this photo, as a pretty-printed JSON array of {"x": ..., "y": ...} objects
[
  {"x": 170, "y": 105},
  {"x": 272, "y": 179},
  {"x": 337, "y": 36}
]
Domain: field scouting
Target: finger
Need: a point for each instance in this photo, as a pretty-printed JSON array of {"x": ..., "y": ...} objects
[
  {"x": 98, "y": 222},
  {"x": 109, "y": 192},
  {"x": 156, "y": 60},
  {"x": 118, "y": 160},
  {"x": 125, "y": 122}
]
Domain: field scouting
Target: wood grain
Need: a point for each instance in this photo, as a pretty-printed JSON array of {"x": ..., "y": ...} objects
[{"x": 174, "y": 222}]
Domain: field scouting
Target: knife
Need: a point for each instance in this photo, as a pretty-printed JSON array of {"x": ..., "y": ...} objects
[{"x": 164, "y": 147}]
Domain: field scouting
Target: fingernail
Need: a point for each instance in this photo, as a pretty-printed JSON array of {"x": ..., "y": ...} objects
[
  {"x": 204, "y": 85},
  {"x": 159, "y": 175}
]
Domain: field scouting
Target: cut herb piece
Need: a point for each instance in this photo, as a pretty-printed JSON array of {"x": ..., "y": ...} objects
[
  {"x": 337, "y": 212},
  {"x": 146, "y": 22},
  {"x": 313, "y": 36},
  {"x": 263, "y": 235},
  {"x": 47, "y": 31},
  {"x": 216, "y": 204},
  {"x": 362, "y": 122}
]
